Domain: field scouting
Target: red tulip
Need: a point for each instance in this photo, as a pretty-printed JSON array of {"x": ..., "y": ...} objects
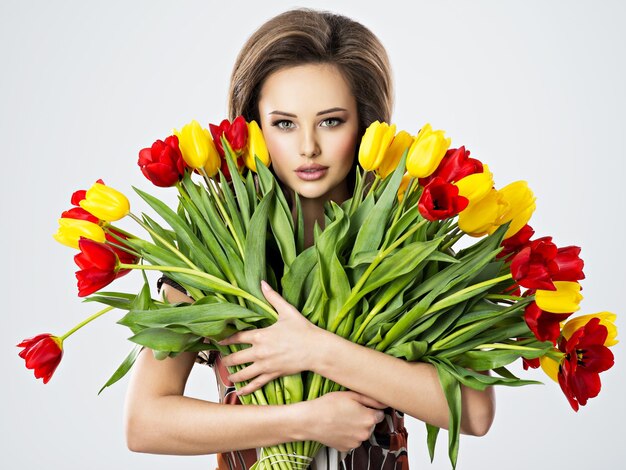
[
  {"x": 530, "y": 363},
  {"x": 585, "y": 357},
  {"x": 540, "y": 263},
  {"x": 99, "y": 266},
  {"x": 162, "y": 163},
  {"x": 79, "y": 213},
  {"x": 533, "y": 266},
  {"x": 80, "y": 195},
  {"x": 43, "y": 354},
  {"x": 116, "y": 245},
  {"x": 544, "y": 325},
  {"x": 454, "y": 166},
  {"x": 518, "y": 241},
  {"x": 236, "y": 134},
  {"x": 569, "y": 266},
  {"x": 440, "y": 200}
]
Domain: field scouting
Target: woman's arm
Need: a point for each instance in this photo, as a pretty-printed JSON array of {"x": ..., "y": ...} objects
[
  {"x": 160, "y": 419},
  {"x": 294, "y": 344}
]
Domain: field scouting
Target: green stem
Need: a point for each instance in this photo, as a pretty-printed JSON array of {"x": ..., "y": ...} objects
[
  {"x": 377, "y": 179},
  {"x": 445, "y": 302},
  {"x": 452, "y": 241},
  {"x": 87, "y": 320},
  {"x": 512, "y": 347},
  {"x": 229, "y": 222},
  {"x": 513, "y": 298},
  {"x": 403, "y": 202},
  {"x": 355, "y": 295},
  {"x": 357, "y": 196},
  {"x": 218, "y": 283},
  {"x": 172, "y": 248}
]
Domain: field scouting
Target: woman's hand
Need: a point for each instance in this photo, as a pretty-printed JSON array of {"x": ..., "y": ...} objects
[
  {"x": 343, "y": 420},
  {"x": 282, "y": 349}
]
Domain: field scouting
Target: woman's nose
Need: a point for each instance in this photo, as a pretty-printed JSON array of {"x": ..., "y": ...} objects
[{"x": 309, "y": 146}]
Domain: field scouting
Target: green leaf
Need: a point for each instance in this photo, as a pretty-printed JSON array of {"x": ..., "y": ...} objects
[
  {"x": 123, "y": 368},
  {"x": 231, "y": 207},
  {"x": 240, "y": 189},
  {"x": 431, "y": 439},
  {"x": 281, "y": 223},
  {"x": 411, "y": 351},
  {"x": 120, "y": 300},
  {"x": 373, "y": 229},
  {"x": 452, "y": 391},
  {"x": 296, "y": 274},
  {"x": 208, "y": 238},
  {"x": 254, "y": 247},
  {"x": 184, "y": 232},
  {"x": 162, "y": 339}
]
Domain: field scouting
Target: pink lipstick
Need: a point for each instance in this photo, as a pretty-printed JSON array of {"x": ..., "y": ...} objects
[{"x": 311, "y": 172}]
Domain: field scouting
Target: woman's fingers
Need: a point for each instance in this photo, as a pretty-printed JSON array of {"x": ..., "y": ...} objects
[
  {"x": 255, "y": 384},
  {"x": 277, "y": 301},
  {"x": 239, "y": 358}
]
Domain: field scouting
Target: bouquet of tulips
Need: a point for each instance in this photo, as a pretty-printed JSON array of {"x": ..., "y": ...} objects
[{"x": 384, "y": 272}]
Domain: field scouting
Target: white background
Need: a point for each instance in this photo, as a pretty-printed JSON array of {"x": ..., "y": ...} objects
[{"x": 535, "y": 89}]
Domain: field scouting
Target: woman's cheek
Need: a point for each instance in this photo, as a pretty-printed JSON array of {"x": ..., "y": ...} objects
[{"x": 278, "y": 148}]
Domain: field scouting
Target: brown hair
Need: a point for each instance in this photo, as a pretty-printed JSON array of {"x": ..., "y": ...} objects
[{"x": 304, "y": 36}]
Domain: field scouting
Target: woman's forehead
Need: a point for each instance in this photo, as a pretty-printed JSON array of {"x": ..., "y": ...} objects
[{"x": 308, "y": 88}]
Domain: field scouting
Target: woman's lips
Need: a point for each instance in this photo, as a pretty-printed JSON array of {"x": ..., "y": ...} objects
[{"x": 311, "y": 172}]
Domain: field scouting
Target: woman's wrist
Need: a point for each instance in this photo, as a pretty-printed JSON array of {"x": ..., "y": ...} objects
[{"x": 299, "y": 423}]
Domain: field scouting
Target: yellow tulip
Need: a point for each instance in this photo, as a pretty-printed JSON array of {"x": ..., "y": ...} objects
[
  {"x": 550, "y": 367},
  {"x": 606, "y": 318},
  {"x": 400, "y": 143},
  {"x": 374, "y": 144},
  {"x": 565, "y": 299},
  {"x": 70, "y": 231},
  {"x": 105, "y": 203},
  {"x": 198, "y": 148},
  {"x": 480, "y": 218},
  {"x": 256, "y": 146},
  {"x": 476, "y": 186},
  {"x": 426, "y": 152},
  {"x": 521, "y": 205}
]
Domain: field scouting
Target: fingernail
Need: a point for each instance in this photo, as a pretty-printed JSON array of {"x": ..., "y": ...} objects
[
  {"x": 380, "y": 416},
  {"x": 265, "y": 286}
]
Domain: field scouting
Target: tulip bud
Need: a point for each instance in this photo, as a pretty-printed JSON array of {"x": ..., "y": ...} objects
[
  {"x": 565, "y": 299},
  {"x": 401, "y": 142},
  {"x": 480, "y": 218},
  {"x": 476, "y": 186},
  {"x": 374, "y": 144},
  {"x": 521, "y": 205},
  {"x": 105, "y": 203},
  {"x": 42, "y": 354},
  {"x": 198, "y": 148},
  {"x": 162, "y": 163},
  {"x": 256, "y": 147},
  {"x": 426, "y": 152},
  {"x": 71, "y": 230}
]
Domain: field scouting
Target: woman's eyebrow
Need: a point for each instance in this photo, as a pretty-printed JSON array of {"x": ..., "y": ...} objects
[
  {"x": 331, "y": 110},
  {"x": 283, "y": 113},
  {"x": 326, "y": 111}
]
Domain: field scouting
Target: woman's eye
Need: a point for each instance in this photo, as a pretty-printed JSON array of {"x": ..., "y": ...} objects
[
  {"x": 331, "y": 122},
  {"x": 283, "y": 124}
]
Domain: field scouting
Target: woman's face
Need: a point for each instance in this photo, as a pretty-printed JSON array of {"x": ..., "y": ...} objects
[{"x": 309, "y": 119}]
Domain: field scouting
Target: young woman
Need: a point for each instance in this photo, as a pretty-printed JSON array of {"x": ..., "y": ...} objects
[{"x": 314, "y": 81}]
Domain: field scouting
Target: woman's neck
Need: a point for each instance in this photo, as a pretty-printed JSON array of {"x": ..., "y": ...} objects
[{"x": 313, "y": 210}]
